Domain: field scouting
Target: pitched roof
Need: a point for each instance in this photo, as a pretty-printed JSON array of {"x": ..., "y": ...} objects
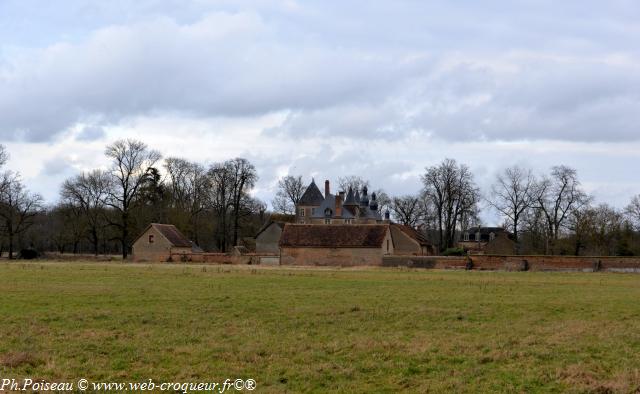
[
  {"x": 171, "y": 233},
  {"x": 414, "y": 234},
  {"x": 268, "y": 224},
  {"x": 334, "y": 235},
  {"x": 311, "y": 196}
]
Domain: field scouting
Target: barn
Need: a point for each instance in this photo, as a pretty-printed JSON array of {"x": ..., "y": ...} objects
[{"x": 159, "y": 241}]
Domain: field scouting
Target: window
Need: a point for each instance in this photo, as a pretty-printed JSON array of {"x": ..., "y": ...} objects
[
  {"x": 347, "y": 221},
  {"x": 466, "y": 236},
  {"x": 327, "y": 221},
  {"x": 492, "y": 236},
  {"x": 387, "y": 245},
  {"x": 150, "y": 238},
  {"x": 313, "y": 211},
  {"x": 302, "y": 212}
]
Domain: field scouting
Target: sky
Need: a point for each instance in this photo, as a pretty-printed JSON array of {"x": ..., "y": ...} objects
[{"x": 380, "y": 89}]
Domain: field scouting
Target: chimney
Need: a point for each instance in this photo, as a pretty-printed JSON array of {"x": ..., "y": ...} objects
[
  {"x": 338, "y": 210},
  {"x": 327, "y": 190}
]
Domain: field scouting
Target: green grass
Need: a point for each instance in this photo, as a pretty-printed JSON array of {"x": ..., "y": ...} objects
[{"x": 322, "y": 330}]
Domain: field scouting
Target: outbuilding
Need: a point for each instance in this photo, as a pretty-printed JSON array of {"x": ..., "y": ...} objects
[
  {"x": 158, "y": 242},
  {"x": 268, "y": 238}
]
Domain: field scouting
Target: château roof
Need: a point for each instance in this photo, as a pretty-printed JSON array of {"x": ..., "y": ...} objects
[{"x": 311, "y": 196}]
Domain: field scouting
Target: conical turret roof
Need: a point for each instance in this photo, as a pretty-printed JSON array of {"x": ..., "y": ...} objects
[{"x": 311, "y": 196}]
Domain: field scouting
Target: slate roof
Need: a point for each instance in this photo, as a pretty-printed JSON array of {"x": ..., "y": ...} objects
[
  {"x": 334, "y": 235},
  {"x": 311, "y": 196}
]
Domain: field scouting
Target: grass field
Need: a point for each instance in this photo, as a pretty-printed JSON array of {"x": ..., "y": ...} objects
[{"x": 322, "y": 330}]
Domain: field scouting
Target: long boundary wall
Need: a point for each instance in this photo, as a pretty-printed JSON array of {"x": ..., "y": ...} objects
[
  {"x": 221, "y": 258},
  {"x": 518, "y": 263}
]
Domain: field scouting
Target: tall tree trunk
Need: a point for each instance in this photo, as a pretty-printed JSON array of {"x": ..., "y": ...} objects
[
  {"x": 125, "y": 235},
  {"x": 515, "y": 237},
  {"x": 94, "y": 240},
  {"x": 10, "y": 245}
]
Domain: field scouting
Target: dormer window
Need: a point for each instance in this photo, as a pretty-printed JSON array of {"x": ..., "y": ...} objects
[
  {"x": 328, "y": 213},
  {"x": 150, "y": 238}
]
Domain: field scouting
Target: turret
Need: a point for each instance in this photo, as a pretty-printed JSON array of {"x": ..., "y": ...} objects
[
  {"x": 364, "y": 200},
  {"x": 373, "y": 205}
]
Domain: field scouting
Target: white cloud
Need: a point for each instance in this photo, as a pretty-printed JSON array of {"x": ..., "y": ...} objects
[{"x": 376, "y": 89}]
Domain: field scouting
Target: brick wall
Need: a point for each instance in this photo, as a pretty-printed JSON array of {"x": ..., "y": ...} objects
[{"x": 331, "y": 256}]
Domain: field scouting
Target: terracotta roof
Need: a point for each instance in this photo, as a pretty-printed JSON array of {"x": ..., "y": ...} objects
[
  {"x": 171, "y": 233},
  {"x": 334, "y": 235},
  {"x": 414, "y": 234},
  {"x": 311, "y": 196}
]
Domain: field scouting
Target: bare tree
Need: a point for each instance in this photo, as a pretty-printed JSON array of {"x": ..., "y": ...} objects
[
  {"x": 220, "y": 200},
  {"x": 89, "y": 191},
  {"x": 352, "y": 181},
  {"x": 632, "y": 211},
  {"x": 189, "y": 185},
  {"x": 557, "y": 197},
  {"x": 244, "y": 178},
  {"x": 407, "y": 209},
  {"x": 18, "y": 207},
  {"x": 132, "y": 161},
  {"x": 290, "y": 191},
  {"x": 4, "y": 156},
  {"x": 454, "y": 195},
  {"x": 512, "y": 195}
]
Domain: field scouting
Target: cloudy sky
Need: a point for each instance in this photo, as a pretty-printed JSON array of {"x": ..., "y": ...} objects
[{"x": 324, "y": 89}]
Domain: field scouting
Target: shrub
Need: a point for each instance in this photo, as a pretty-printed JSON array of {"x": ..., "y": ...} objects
[
  {"x": 29, "y": 254},
  {"x": 453, "y": 252}
]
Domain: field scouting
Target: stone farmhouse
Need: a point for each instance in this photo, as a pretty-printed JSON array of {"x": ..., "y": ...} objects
[{"x": 159, "y": 241}]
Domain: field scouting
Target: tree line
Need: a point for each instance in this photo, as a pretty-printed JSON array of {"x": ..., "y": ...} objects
[
  {"x": 102, "y": 210},
  {"x": 545, "y": 213}
]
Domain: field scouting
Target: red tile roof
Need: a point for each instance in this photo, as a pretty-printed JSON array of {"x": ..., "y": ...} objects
[
  {"x": 333, "y": 235},
  {"x": 416, "y": 235}
]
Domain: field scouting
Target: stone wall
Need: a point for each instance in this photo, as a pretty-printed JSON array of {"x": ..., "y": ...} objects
[
  {"x": 345, "y": 257},
  {"x": 220, "y": 258},
  {"x": 519, "y": 263}
]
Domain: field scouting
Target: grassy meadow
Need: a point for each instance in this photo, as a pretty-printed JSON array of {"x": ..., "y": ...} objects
[{"x": 317, "y": 330}]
